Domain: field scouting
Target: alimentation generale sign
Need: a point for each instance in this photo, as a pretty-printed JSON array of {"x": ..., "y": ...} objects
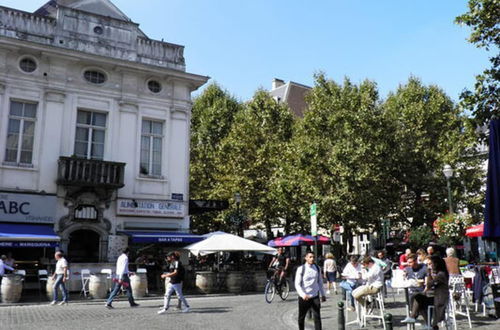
[{"x": 150, "y": 208}]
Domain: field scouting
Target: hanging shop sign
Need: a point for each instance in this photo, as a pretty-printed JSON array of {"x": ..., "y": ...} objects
[
  {"x": 150, "y": 208},
  {"x": 31, "y": 208}
]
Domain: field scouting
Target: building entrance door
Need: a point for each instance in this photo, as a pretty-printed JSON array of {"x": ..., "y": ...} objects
[{"x": 83, "y": 246}]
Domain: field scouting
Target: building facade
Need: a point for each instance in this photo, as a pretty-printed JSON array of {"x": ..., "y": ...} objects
[{"x": 94, "y": 127}]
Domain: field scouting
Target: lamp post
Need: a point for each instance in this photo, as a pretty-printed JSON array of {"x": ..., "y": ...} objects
[
  {"x": 448, "y": 173},
  {"x": 237, "y": 199}
]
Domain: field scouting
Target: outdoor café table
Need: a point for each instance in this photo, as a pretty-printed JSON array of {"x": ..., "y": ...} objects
[{"x": 402, "y": 283}]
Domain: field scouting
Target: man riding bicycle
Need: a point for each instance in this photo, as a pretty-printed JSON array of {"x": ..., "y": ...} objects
[{"x": 279, "y": 265}]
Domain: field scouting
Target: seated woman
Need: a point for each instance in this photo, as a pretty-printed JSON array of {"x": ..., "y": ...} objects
[
  {"x": 438, "y": 282},
  {"x": 351, "y": 275}
]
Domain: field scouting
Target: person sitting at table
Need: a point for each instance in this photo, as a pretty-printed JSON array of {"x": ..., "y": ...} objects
[
  {"x": 438, "y": 282},
  {"x": 403, "y": 259},
  {"x": 374, "y": 277},
  {"x": 452, "y": 262},
  {"x": 415, "y": 271},
  {"x": 351, "y": 275},
  {"x": 421, "y": 255}
]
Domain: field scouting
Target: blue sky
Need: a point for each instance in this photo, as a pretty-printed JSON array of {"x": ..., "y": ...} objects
[{"x": 244, "y": 44}]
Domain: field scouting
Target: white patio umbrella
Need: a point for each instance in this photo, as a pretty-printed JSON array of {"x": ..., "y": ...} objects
[{"x": 223, "y": 242}]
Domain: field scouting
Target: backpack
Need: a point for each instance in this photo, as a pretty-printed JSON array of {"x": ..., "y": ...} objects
[
  {"x": 302, "y": 274},
  {"x": 181, "y": 272}
]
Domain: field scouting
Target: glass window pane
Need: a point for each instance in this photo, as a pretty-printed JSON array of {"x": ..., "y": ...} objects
[
  {"x": 98, "y": 136},
  {"x": 97, "y": 151},
  {"x": 157, "y": 128},
  {"x": 16, "y": 108},
  {"x": 14, "y": 126},
  {"x": 27, "y": 142},
  {"x": 29, "y": 128},
  {"x": 81, "y": 149},
  {"x": 30, "y": 110},
  {"x": 11, "y": 155},
  {"x": 146, "y": 126},
  {"x": 156, "y": 169},
  {"x": 157, "y": 144},
  {"x": 26, "y": 157},
  {"x": 157, "y": 157},
  {"x": 12, "y": 140},
  {"x": 99, "y": 119},
  {"x": 144, "y": 169},
  {"x": 83, "y": 117},
  {"x": 82, "y": 134}
]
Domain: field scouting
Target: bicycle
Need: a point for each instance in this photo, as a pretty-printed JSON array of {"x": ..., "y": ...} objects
[{"x": 273, "y": 286}]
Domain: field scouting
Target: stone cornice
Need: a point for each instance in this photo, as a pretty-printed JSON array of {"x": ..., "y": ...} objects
[{"x": 128, "y": 105}]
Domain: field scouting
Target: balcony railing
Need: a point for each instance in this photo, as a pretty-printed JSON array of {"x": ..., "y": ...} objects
[{"x": 90, "y": 173}]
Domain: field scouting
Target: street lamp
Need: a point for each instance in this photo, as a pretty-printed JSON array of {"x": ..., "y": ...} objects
[
  {"x": 237, "y": 199},
  {"x": 448, "y": 173}
]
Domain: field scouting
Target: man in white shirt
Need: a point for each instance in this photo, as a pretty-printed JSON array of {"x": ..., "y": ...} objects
[
  {"x": 3, "y": 267},
  {"x": 309, "y": 286},
  {"x": 122, "y": 274},
  {"x": 59, "y": 277},
  {"x": 351, "y": 275},
  {"x": 374, "y": 277}
]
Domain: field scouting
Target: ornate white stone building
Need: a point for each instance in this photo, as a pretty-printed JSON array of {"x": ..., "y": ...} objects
[{"x": 94, "y": 129}]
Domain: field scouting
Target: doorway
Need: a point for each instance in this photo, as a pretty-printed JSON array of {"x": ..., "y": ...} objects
[{"x": 83, "y": 246}]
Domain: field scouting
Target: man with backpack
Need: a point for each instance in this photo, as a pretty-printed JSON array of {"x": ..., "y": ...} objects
[
  {"x": 309, "y": 286},
  {"x": 176, "y": 274}
]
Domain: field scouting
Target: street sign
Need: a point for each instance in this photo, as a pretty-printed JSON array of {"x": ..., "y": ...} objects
[
  {"x": 314, "y": 230},
  {"x": 313, "y": 209}
]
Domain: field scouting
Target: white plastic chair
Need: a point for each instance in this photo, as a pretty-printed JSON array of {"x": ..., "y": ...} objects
[
  {"x": 85, "y": 277},
  {"x": 458, "y": 306},
  {"x": 21, "y": 272},
  {"x": 378, "y": 300}
]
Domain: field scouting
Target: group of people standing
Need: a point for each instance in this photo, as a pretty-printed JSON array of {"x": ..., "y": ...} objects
[{"x": 173, "y": 277}]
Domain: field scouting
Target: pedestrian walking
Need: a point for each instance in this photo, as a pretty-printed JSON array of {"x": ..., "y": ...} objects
[
  {"x": 122, "y": 280},
  {"x": 330, "y": 272},
  {"x": 176, "y": 273},
  {"x": 3, "y": 267},
  {"x": 309, "y": 286},
  {"x": 59, "y": 277}
]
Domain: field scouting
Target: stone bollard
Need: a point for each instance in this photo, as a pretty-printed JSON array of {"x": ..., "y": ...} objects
[
  {"x": 341, "y": 319},
  {"x": 388, "y": 321}
]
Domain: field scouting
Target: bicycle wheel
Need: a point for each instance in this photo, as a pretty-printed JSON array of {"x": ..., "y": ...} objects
[
  {"x": 269, "y": 291},
  {"x": 285, "y": 290}
]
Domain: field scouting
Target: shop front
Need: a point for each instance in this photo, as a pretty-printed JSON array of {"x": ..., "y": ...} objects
[{"x": 27, "y": 232}]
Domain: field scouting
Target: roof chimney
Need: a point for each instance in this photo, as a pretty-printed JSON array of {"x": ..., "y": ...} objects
[{"x": 277, "y": 83}]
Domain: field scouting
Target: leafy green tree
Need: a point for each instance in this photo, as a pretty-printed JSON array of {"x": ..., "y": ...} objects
[
  {"x": 213, "y": 114},
  {"x": 421, "y": 236},
  {"x": 428, "y": 131},
  {"x": 252, "y": 156},
  {"x": 342, "y": 148},
  {"x": 483, "y": 18}
]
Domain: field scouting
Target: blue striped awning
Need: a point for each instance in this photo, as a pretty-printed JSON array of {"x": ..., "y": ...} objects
[
  {"x": 27, "y": 235},
  {"x": 162, "y": 237}
]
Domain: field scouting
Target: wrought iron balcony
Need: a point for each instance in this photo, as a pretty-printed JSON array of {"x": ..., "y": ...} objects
[{"x": 82, "y": 172}]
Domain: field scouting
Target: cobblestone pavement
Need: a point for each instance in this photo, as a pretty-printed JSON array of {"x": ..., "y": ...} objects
[{"x": 216, "y": 312}]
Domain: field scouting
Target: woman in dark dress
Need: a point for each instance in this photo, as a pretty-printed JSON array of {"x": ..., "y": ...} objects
[{"x": 437, "y": 280}]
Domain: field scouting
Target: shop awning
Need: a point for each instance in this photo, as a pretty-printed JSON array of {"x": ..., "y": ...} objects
[
  {"x": 475, "y": 231},
  {"x": 27, "y": 235},
  {"x": 162, "y": 237}
]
